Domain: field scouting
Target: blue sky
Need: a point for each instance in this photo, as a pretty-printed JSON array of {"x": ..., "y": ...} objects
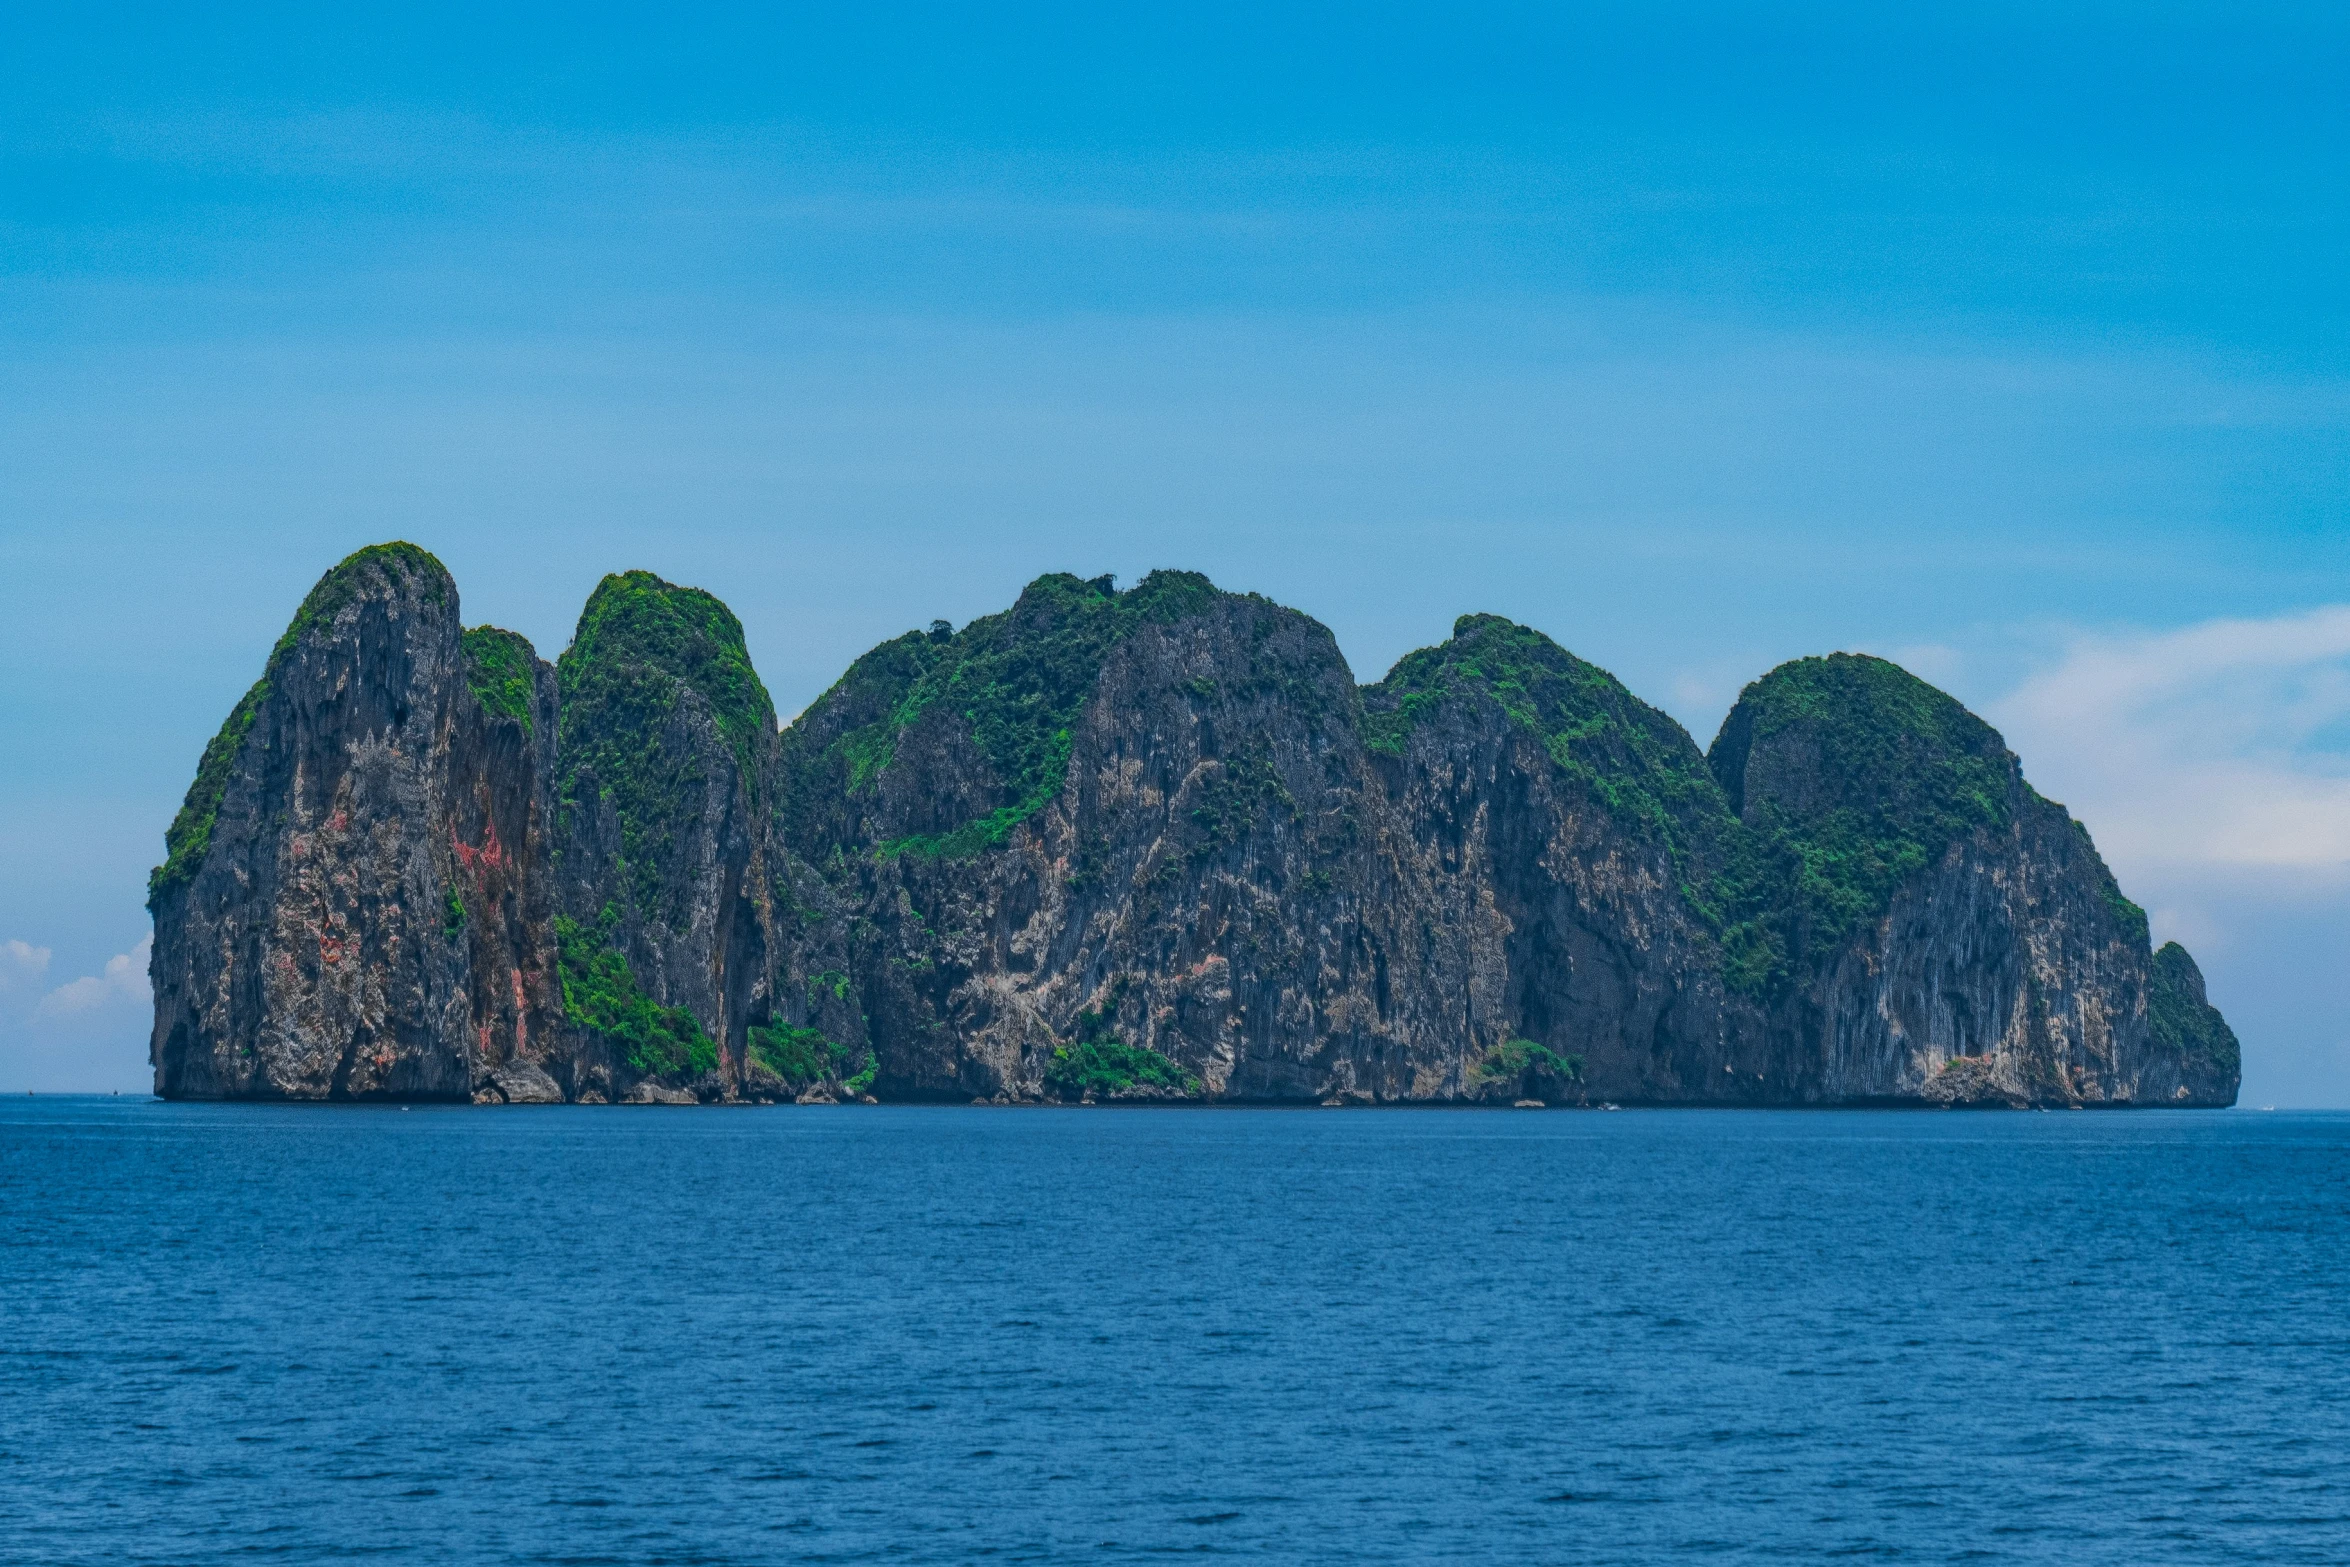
[{"x": 2008, "y": 341}]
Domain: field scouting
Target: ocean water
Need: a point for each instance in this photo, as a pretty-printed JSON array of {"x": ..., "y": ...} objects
[{"x": 299, "y": 1334}]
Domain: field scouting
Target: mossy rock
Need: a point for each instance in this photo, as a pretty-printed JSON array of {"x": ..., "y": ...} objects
[
  {"x": 1111, "y": 1069},
  {"x": 1018, "y": 680},
  {"x": 394, "y": 567},
  {"x": 1851, "y": 776},
  {"x": 1607, "y": 744},
  {"x": 804, "y": 1056},
  {"x": 501, "y": 670},
  {"x": 2182, "y": 1019},
  {"x": 602, "y": 996},
  {"x": 641, "y": 644},
  {"x": 1511, "y": 1060}
]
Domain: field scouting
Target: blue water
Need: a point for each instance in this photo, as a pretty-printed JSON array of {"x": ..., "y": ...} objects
[{"x": 233, "y": 1333}]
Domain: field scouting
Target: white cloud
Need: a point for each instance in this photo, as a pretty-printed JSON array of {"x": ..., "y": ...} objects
[
  {"x": 21, "y": 961},
  {"x": 2217, "y": 751},
  {"x": 125, "y": 975}
]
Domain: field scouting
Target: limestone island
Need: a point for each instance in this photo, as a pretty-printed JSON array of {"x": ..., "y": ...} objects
[{"x": 1113, "y": 846}]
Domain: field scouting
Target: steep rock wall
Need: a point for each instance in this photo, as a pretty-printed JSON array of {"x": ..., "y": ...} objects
[
  {"x": 1932, "y": 929},
  {"x": 1246, "y": 874},
  {"x": 501, "y": 814},
  {"x": 666, "y": 746},
  {"x": 1141, "y": 844},
  {"x": 1555, "y": 825},
  {"x": 1168, "y": 888},
  {"x": 348, "y": 907}
]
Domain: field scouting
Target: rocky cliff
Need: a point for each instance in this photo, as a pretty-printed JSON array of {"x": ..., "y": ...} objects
[
  {"x": 1923, "y": 923},
  {"x": 1151, "y": 844},
  {"x": 664, "y": 765},
  {"x": 355, "y": 899}
]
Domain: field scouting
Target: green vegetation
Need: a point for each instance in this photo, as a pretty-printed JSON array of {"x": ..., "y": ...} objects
[
  {"x": 1103, "y": 1067},
  {"x": 1636, "y": 761},
  {"x": 802, "y": 1056},
  {"x": 2130, "y": 917},
  {"x": 453, "y": 913},
  {"x": 799, "y": 1056},
  {"x": 635, "y": 621},
  {"x": 1886, "y": 772},
  {"x": 974, "y": 838},
  {"x": 1518, "y": 1055},
  {"x": 1874, "y": 774},
  {"x": 641, "y": 643},
  {"x": 1019, "y": 680},
  {"x": 1232, "y": 797},
  {"x": 500, "y": 671},
  {"x": 863, "y": 1081},
  {"x": 1098, "y": 1062},
  {"x": 2181, "y": 1018},
  {"x": 189, "y": 837},
  {"x": 400, "y": 564},
  {"x": 601, "y": 993}
]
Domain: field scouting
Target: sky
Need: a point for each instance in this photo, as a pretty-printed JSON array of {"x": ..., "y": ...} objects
[{"x": 2011, "y": 342}]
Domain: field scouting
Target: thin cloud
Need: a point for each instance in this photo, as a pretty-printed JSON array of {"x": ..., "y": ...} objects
[
  {"x": 22, "y": 963},
  {"x": 124, "y": 977},
  {"x": 2223, "y": 748}
]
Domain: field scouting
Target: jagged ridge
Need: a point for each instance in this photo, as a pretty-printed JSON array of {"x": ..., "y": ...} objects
[{"x": 1152, "y": 843}]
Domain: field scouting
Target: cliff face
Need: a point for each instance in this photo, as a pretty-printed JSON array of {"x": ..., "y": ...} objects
[
  {"x": 2188, "y": 1029},
  {"x": 351, "y": 907},
  {"x": 1928, "y": 926},
  {"x": 1556, "y": 827},
  {"x": 667, "y": 743},
  {"x": 1105, "y": 841},
  {"x": 1151, "y": 844},
  {"x": 498, "y": 829},
  {"x": 1230, "y": 873}
]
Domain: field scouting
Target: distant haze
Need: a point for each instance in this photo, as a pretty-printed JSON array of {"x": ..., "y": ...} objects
[{"x": 2012, "y": 347}]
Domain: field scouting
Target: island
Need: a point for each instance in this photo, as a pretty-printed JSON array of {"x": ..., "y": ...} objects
[{"x": 1140, "y": 845}]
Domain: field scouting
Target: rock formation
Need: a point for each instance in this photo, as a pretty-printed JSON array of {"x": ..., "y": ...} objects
[
  {"x": 355, "y": 899},
  {"x": 665, "y": 757},
  {"x": 1929, "y": 926},
  {"x": 1152, "y": 844}
]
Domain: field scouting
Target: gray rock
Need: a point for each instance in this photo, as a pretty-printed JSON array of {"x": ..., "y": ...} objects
[
  {"x": 355, "y": 903},
  {"x": 520, "y": 1083},
  {"x": 1124, "y": 847}
]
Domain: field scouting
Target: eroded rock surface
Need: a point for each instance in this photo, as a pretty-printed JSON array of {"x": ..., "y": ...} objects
[
  {"x": 354, "y": 905},
  {"x": 1124, "y": 846},
  {"x": 1927, "y": 925}
]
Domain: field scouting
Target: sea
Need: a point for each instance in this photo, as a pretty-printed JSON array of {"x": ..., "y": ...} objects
[{"x": 292, "y": 1334}]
